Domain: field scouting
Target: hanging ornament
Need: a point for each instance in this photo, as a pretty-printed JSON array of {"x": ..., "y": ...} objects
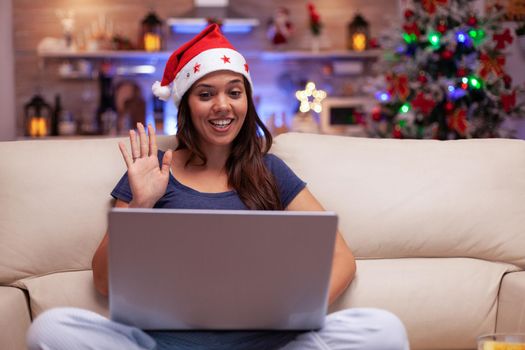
[
  {"x": 422, "y": 77},
  {"x": 376, "y": 113},
  {"x": 442, "y": 27},
  {"x": 461, "y": 72},
  {"x": 457, "y": 121},
  {"x": 502, "y": 39},
  {"x": 423, "y": 103},
  {"x": 447, "y": 54},
  {"x": 472, "y": 21},
  {"x": 507, "y": 80},
  {"x": 412, "y": 32},
  {"x": 409, "y": 13},
  {"x": 398, "y": 86},
  {"x": 491, "y": 65},
  {"x": 396, "y": 132},
  {"x": 431, "y": 5},
  {"x": 449, "y": 106},
  {"x": 508, "y": 101}
]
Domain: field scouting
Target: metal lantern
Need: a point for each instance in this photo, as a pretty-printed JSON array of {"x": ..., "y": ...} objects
[
  {"x": 37, "y": 117},
  {"x": 358, "y": 34},
  {"x": 151, "y": 35}
]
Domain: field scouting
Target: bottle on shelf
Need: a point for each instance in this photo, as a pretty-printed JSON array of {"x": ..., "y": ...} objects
[
  {"x": 106, "y": 112},
  {"x": 158, "y": 115}
]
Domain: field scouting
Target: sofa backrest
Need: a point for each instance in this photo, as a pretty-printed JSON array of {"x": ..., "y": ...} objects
[
  {"x": 54, "y": 198},
  {"x": 394, "y": 198},
  {"x": 418, "y": 198}
]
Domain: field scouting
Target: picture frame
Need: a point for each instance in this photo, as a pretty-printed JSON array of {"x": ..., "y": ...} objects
[{"x": 337, "y": 115}]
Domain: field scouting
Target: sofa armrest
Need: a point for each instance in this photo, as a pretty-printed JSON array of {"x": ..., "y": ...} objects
[
  {"x": 14, "y": 318},
  {"x": 511, "y": 305}
]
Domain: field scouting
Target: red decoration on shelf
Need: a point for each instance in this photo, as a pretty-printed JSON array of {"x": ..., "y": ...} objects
[
  {"x": 423, "y": 104},
  {"x": 374, "y": 43},
  {"x": 398, "y": 85},
  {"x": 491, "y": 64},
  {"x": 508, "y": 101},
  {"x": 431, "y": 5},
  {"x": 457, "y": 121},
  {"x": 502, "y": 39},
  {"x": 472, "y": 21},
  {"x": 409, "y": 13}
]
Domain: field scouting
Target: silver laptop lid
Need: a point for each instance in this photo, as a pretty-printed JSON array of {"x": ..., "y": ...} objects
[{"x": 219, "y": 269}]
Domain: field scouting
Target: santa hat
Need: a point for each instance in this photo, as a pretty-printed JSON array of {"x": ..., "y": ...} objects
[{"x": 207, "y": 52}]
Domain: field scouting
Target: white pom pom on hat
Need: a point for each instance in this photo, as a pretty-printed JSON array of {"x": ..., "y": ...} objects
[
  {"x": 207, "y": 52},
  {"x": 162, "y": 92}
]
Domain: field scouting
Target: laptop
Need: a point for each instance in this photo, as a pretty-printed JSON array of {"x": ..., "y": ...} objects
[{"x": 173, "y": 269}]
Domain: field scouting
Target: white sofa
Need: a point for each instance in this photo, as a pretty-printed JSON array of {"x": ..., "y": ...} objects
[{"x": 438, "y": 228}]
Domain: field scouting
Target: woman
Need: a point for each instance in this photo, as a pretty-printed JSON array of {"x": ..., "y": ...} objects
[{"x": 221, "y": 162}]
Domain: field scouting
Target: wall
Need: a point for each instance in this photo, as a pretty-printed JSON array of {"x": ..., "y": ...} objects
[{"x": 7, "y": 83}]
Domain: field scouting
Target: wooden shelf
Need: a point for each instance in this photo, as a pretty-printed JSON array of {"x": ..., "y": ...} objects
[{"x": 262, "y": 55}]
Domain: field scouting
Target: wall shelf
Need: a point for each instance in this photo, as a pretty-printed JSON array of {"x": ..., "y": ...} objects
[{"x": 263, "y": 55}]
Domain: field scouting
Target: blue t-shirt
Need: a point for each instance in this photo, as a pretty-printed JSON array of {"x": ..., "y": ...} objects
[{"x": 179, "y": 196}]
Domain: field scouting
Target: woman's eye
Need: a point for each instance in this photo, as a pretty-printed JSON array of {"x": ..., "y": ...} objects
[
  {"x": 204, "y": 94},
  {"x": 236, "y": 93}
]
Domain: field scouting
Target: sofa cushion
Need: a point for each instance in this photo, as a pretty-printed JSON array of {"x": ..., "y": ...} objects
[
  {"x": 413, "y": 198},
  {"x": 55, "y": 195},
  {"x": 445, "y": 303},
  {"x": 14, "y": 318},
  {"x": 73, "y": 288},
  {"x": 511, "y": 304}
]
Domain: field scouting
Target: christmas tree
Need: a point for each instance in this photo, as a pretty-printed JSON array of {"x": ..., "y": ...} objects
[{"x": 445, "y": 76}]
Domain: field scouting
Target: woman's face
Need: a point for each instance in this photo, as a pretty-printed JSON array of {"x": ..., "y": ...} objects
[{"x": 218, "y": 106}]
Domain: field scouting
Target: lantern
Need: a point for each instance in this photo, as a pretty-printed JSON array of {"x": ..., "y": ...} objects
[
  {"x": 358, "y": 34},
  {"x": 37, "y": 116},
  {"x": 151, "y": 36}
]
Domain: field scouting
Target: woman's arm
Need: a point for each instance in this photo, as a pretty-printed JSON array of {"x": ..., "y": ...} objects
[
  {"x": 99, "y": 263},
  {"x": 343, "y": 264}
]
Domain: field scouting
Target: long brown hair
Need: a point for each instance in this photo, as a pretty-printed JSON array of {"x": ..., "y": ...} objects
[{"x": 247, "y": 173}]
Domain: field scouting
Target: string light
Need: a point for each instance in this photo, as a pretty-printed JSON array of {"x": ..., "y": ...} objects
[
  {"x": 434, "y": 38},
  {"x": 405, "y": 108}
]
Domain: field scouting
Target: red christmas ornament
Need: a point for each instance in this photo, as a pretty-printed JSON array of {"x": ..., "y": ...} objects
[
  {"x": 442, "y": 27},
  {"x": 396, "y": 133},
  {"x": 409, "y": 13},
  {"x": 461, "y": 72},
  {"x": 472, "y": 21},
  {"x": 507, "y": 79},
  {"x": 412, "y": 28},
  {"x": 423, "y": 104},
  {"x": 431, "y": 5},
  {"x": 502, "y": 39},
  {"x": 447, "y": 54},
  {"x": 422, "y": 78},
  {"x": 457, "y": 121},
  {"x": 376, "y": 113},
  {"x": 373, "y": 43},
  {"x": 491, "y": 64},
  {"x": 508, "y": 101},
  {"x": 398, "y": 85},
  {"x": 449, "y": 106}
]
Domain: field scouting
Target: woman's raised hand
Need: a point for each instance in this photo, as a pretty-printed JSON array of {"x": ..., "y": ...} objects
[{"x": 148, "y": 180}]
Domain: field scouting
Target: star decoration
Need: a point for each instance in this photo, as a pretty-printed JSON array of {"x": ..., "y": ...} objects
[
  {"x": 196, "y": 68},
  {"x": 225, "y": 59},
  {"x": 246, "y": 67},
  {"x": 310, "y": 92}
]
